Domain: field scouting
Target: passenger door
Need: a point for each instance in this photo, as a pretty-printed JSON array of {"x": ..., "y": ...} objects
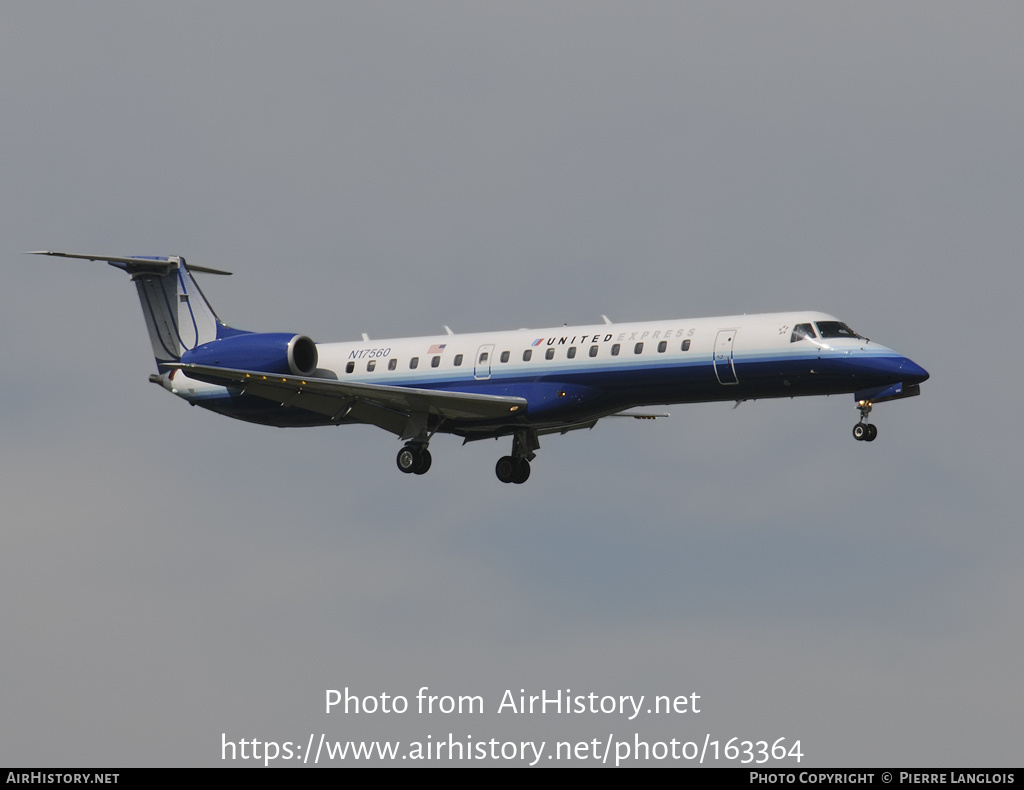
[
  {"x": 482, "y": 366},
  {"x": 723, "y": 357}
]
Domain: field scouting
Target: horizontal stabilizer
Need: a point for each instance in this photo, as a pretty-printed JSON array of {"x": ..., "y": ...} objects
[{"x": 156, "y": 264}]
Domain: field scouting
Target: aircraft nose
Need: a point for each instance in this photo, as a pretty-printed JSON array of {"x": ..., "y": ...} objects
[{"x": 912, "y": 372}]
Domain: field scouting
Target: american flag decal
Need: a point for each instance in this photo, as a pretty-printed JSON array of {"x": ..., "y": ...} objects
[{"x": 437, "y": 348}]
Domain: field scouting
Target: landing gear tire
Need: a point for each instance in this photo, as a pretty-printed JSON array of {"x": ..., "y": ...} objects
[
  {"x": 406, "y": 460},
  {"x": 412, "y": 460},
  {"x": 506, "y": 469},
  {"x": 865, "y": 432},
  {"x": 512, "y": 470}
]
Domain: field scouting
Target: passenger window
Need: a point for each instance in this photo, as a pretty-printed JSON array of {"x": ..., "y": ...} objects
[
  {"x": 615, "y": 350},
  {"x": 392, "y": 364},
  {"x": 527, "y": 354},
  {"x": 504, "y": 356},
  {"x": 801, "y": 331},
  {"x": 483, "y": 358},
  {"x": 435, "y": 361},
  {"x": 571, "y": 353},
  {"x": 371, "y": 365},
  {"x": 549, "y": 354},
  {"x": 593, "y": 351},
  {"x": 638, "y": 348},
  {"x": 662, "y": 346},
  {"x": 686, "y": 345},
  {"x": 458, "y": 360},
  {"x": 414, "y": 363},
  {"x": 350, "y": 367}
]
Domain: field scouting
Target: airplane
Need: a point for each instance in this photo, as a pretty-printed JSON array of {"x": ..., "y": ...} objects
[{"x": 522, "y": 384}]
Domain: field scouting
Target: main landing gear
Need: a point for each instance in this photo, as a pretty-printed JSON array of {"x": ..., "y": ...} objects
[
  {"x": 863, "y": 431},
  {"x": 414, "y": 459},
  {"x": 512, "y": 470},
  {"x": 515, "y": 468}
]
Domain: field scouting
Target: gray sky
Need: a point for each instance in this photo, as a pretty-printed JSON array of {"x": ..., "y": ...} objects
[{"x": 168, "y": 575}]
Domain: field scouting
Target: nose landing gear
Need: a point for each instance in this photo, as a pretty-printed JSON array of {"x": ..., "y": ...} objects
[{"x": 863, "y": 431}]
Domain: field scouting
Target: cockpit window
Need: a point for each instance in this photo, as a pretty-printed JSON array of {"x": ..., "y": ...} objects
[
  {"x": 830, "y": 329},
  {"x": 800, "y": 331}
]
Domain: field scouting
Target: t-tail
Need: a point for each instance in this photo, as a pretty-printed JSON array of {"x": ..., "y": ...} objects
[
  {"x": 178, "y": 316},
  {"x": 184, "y": 331}
]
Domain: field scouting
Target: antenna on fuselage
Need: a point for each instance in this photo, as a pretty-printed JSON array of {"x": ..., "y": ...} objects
[{"x": 606, "y": 319}]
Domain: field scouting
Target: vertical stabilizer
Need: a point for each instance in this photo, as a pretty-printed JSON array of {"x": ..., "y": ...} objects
[{"x": 177, "y": 314}]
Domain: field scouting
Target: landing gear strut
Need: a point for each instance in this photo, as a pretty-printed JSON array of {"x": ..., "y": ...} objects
[
  {"x": 863, "y": 431},
  {"x": 413, "y": 459},
  {"x": 515, "y": 468}
]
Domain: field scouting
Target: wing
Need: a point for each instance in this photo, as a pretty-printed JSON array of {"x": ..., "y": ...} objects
[{"x": 404, "y": 411}]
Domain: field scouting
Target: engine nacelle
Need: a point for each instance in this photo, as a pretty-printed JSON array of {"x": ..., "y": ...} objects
[{"x": 267, "y": 352}]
